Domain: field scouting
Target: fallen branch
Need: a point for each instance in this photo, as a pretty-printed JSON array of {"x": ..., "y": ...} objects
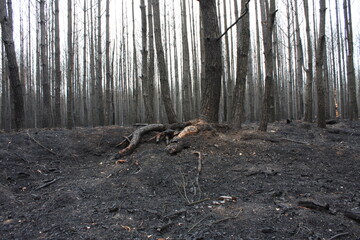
[
  {"x": 225, "y": 219},
  {"x": 339, "y": 235},
  {"x": 199, "y": 201},
  {"x": 37, "y": 142},
  {"x": 294, "y": 141},
  {"x": 127, "y": 139},
  {"x": 48, "y": 183},
  {"x": 136, "y": 138},
  {"x": 197, "y": 223}
]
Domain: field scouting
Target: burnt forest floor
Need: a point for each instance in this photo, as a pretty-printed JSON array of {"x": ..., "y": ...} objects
[{"x": 294, "y": 182}]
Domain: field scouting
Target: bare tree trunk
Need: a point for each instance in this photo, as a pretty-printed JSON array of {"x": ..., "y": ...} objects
[
  {"x": 70, "y": 69},
  {"x": 340, "y": 64},
  {"x": 260, "y": 90},
  {"x": 151, "y": 61},
  {"x": 177, "y": 89},
  {"x": 164, "y": 82},
  {"x": 321, "y": 121},
  {"x": 57, "y": 119},
  {"x": 46, "y": 113},
  {"x": 267, "y": 41},
  {"x": 135, "y": 75},
  {"x": 5, "y": 108},
  {"x": 186, "y": 76},
  {"x": 85, "y": 82},
  {"x": 228, "y": 86},
  {"x": 353, "y": 108},
  {"x": 144, "y": 72},
  {"x": 212, "y": 52},
  {"x": 100, "y": 103},
  {"x": 8, "y": 40},
  {"x": 300, "y": 60},
  {"x": 242, "y": 69},
  {"x": 93, "y": 102},
  {"x": 290, "y": 63},
  {"x": 309, "y": 70},
  {"x": 108, "y": 67}
]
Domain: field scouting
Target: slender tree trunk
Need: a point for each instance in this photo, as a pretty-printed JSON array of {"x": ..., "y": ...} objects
[
  {"x": 70, "y": 68},
  {"x": 108, "y": 67},
  {"x": 85, "y": 80},
  {"x": 186, "y": 76},
  {"x": 309, "y": 70},
  {"x": 300, "y": 60},
  {"x": 321, "y": 121},
  {"x": 290, "y": 63},
  {"x": 93, "y": 102},
  {"x": 8, "y": 40},
  {"x": 100, "y": 103},
  {"x": 177, "y": 89},
  {"x": 212, "y": 52},
  {"x": 340, "y": 65},
  {"x": 260, "y": 90},
  {"x": 151, "y": 65},
  {"x": 144, "y": 72},
  {"x": 242, "y": 69},
  {"x": 136, "y": 89},
  {"x": 57, "y": 119},
  {"x": 228, "y": 86},
  {"x": 164, "y": 82},
  {"x": 350, "y": 70},
  {"x": 46, "y": 113},
  {"x": 267, "y": 41},
  {"x": 5, "y": 109}
]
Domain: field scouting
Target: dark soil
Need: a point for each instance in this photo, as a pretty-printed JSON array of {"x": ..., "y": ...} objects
[{"x": 294, "y": 182}]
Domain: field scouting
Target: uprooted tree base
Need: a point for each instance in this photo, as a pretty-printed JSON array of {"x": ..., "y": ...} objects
[{"x": 174, "y": 135}]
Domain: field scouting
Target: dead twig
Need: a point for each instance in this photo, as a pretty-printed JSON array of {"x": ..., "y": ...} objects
[
  {"x": 199, "y": 201},
  {"x": 127, "y": 139},
  {"x": 48, "y": 183},
  {"x": 225, "y": 219},
  {"x": 294, "y": 141},
  {"x": 338, "y": 235},
  {"x": 197, "y": 223},
  {"x": 37, "y": 142}
]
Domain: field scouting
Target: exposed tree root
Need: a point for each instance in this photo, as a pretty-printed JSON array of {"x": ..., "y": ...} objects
[{"x": 174, "y": 135}]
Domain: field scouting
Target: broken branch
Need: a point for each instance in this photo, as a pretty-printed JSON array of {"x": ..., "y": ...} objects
[
  {"x": 136, "y": 138},
  {"x": 37, "y": 142}
]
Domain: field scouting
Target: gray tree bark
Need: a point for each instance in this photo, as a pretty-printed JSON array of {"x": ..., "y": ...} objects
[
  {"x": 57, "y": 118},
  {"x": 241, "y": 70},
  {"x": 15, "y": 83},
  {"x": 267, "y": 41},
  {"x": 70, "y": 69},
  {"x": 164, "y": 82},
  {"x": 213, "y": 67},
  {"x": 100, "y": 103},
  {"x": 350, "y": 70},
  {"x": 46, "y": 112},
  {"x": 321, "y": 120},
  {"x": 186, "y": 76},
  {"x": 85, "y": 80},
  {"x": 309, "y": 71}
]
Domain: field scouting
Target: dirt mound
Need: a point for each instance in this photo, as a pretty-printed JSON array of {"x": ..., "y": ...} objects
[{"x": 294, "y": 182}]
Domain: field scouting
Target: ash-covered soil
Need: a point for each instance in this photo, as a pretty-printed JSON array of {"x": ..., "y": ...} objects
[{"x": 294, "y": 182}]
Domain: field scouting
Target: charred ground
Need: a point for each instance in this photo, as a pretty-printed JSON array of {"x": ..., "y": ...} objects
[{"x": 295, "y": 182}]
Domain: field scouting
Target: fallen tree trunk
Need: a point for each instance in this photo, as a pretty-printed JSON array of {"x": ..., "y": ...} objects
[
  {"x": 136, "y": 136},
  {"x": 173, "y": 134}
]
